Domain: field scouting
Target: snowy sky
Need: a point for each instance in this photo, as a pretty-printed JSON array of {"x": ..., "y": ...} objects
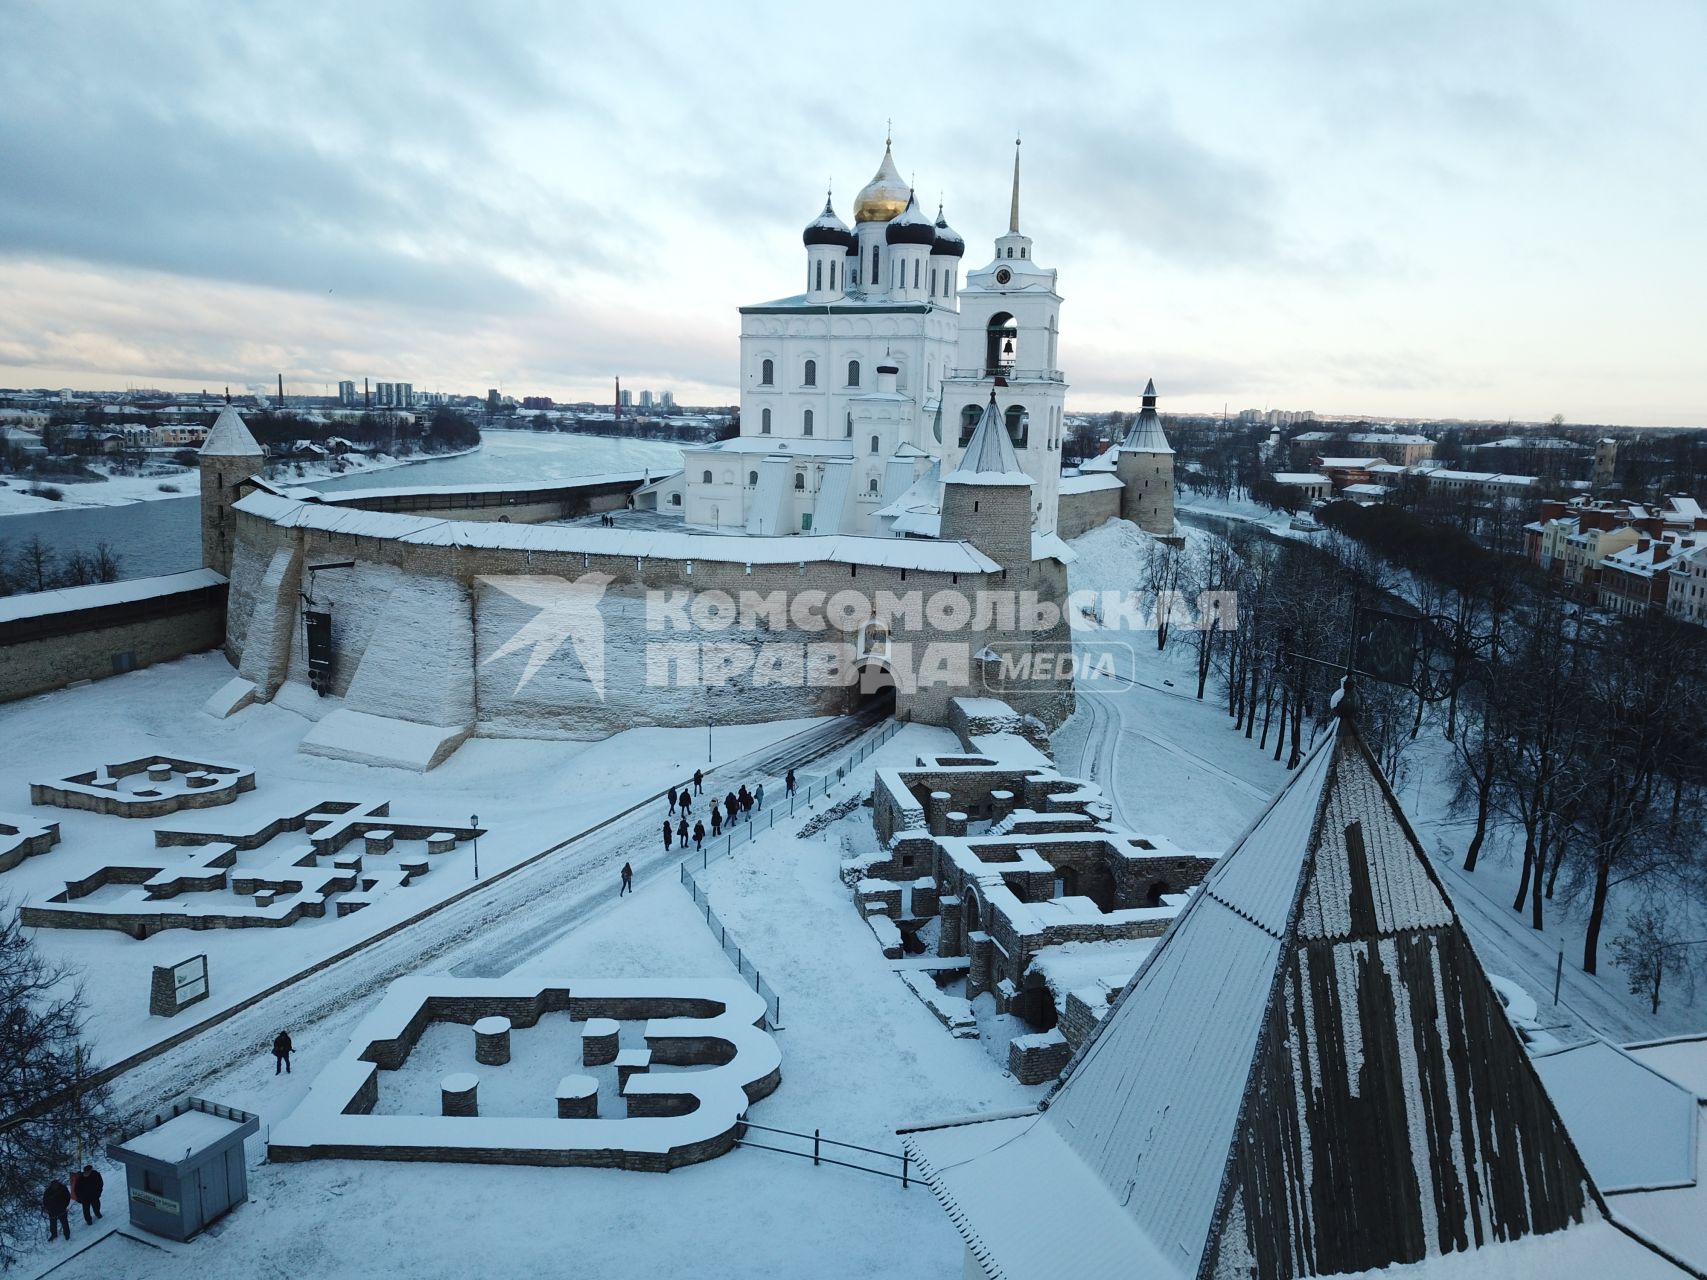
[{"x": 1418, "y": 207}]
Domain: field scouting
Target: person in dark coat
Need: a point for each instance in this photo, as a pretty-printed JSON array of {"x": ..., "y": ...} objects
[
  {"x": 686, "y": 800},
  {"x": 281, "y": 1052},
  {"x": 627, "y": 880},
  {"x": 716, "y": 820},
  {"x": 789, "y": 782},
  {"x": 731, "y": 807},
  {"x": 56, "y": 1203},
  {"x": 682, "y": 831},
  {"x": 698, "y": 835},
  {"x": 669, "y": 834},
  {"x": 88, "y": 1192},
  {"x": 698, "y": 782},
  {"x": 670, "y": 795},
  {"x": 747, "y": 803}
]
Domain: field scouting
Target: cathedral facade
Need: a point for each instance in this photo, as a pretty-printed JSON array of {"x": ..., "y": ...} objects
[{"x": 861, "y": 391}]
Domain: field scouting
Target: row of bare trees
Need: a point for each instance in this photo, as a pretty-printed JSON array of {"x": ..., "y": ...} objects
[
  {"x": 1578, "y": 736},
  {"x": 33, "y": 565}
]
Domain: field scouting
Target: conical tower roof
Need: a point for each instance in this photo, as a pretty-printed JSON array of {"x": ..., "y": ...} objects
[
  {"x": 230, "y": 438},
  {"x": 1145, "y": 435},
  {"x": 1310, "y": 1075},
  {"x": 989, "y": 456}
]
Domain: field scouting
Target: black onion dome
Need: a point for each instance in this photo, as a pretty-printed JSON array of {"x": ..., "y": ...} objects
[
  {"x": 947, "y": 241},
  {"x": 827, "y": 228},
  {"x": 910, "y": 226}
]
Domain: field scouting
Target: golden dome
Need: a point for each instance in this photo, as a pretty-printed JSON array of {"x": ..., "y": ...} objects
[{"x": 885, "y": 196}]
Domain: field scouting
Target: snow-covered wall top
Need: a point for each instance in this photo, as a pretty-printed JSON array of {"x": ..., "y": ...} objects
[
  {"x": 39, "y": 604},
  {"x": 891, "y": 553}
]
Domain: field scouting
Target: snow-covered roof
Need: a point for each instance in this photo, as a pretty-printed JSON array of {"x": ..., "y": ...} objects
[
  {"x": 229, "y": 438},
  {"x": 1088, "y": 484},
  {"x": 894, "y": 553},
  {"x": 1349, "y": 464},
  {"x": 989, "y": 458},
  {"x": 1309, "y": 478},
  {"x": 1257, "y": 1044},
  {"x": 775, "y": 444},
  {"x": 39, "y": 604},
  {"x": 1145, "y": 435},
  {"x": 1635, "y": 1127},
  {"x": 355, "y": 497}
]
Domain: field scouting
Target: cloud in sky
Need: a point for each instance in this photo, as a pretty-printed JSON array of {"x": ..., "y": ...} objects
[{"x": 1425, "y": 207}]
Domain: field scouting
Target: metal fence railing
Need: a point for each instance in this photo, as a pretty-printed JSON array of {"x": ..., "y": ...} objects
[
  {"x": 804, "y": 798},
  {"x": 817, "y": 1156}
]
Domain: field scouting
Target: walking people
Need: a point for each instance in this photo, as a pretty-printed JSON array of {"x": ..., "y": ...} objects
[
  {"x": 56, "y": 1203},
  {"x": 627, "y": 880},
  {"x": 759, "y": 796},
  {"x": 716, "y": 820},
  {"x": 682, "y": 831},
  {"x": 789, "y": 782},
  {"x": 669, "y": 833},
  {"x": 686, "y": 800},
  {"x": 731, "y": 809},
  {"x": 698, "y": 836},
  {"x": 747, "y": 804},
  {"x": 86, "y": 1189},
  {"x": 699, "y": 782},
  {"x": 281, "y": 1052},
  {"x": 670, "y": 795}
]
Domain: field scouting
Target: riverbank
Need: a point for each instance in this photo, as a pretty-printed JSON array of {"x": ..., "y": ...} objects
[{"x": 181, "y": 482}]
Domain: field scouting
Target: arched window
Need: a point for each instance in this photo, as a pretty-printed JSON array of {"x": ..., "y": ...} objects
[
  {"x": 871, "y": 486},
  {"x": 847, "y": 430},
  {"x": 675, "y": 499},
  {"x": 874, "y": 276},
  {"x": 853, "y": 373},
  {"x": 832, "y": 275},
  {"x": 752, "y": 478},
  {"x": 819, "y": 274},
  {"x": 765, "y": 419},
  {"x": 767, "y": 373},
  {"x": 806, "y": 423},
  {"x": 810, "y": 375},
  {"x": 933, "y": 282},
  {"x": 874, "y": 444},
  {"x": 969, "y": 422},
  {"x": 1000, "y": 344},
  {"x": 1018, "y": 423},
  {"x": 800, "y": 480},
  {"x": 917, "y": 263},
  {"x": 705, "y": 477}
]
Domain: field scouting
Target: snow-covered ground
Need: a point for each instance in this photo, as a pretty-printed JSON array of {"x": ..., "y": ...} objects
[
  {"x": 861, "y": 1054},
  {"x": 170, "y": 481},
  {"x": 528, "y": 795}
]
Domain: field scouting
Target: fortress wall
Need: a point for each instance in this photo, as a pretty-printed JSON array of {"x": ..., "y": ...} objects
[
  {"x": 1080, "y": 512},
  {"x": 560, "y": 699}
]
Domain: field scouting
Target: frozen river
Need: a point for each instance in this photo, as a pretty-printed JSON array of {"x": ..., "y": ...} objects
[{"x": 165, "y": 536}]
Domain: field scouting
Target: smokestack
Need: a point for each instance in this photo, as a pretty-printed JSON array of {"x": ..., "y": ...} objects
[
  {"x": 367, "y": 400},
  {"x": 281, "y": 390},
  {"x": 619, "y": 397}
]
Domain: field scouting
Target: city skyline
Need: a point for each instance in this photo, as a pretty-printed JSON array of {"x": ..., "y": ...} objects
[{"x": 1443, "y": 212}]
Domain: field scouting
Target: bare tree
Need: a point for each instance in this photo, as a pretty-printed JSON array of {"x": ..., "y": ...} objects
[{"x": 50, "y": 1118}]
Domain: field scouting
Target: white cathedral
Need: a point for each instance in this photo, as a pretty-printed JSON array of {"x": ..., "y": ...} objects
[{"x": 859, "y": 394}]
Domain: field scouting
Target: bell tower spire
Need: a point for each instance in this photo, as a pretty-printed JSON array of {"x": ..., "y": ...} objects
[{"x": 1013, "y": 208}]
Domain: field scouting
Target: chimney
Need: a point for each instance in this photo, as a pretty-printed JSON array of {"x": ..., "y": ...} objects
[
  {"x": 886, "y": 379},
  {"x": 367, "y": 397},
  {"x": 281, "y": 390}
]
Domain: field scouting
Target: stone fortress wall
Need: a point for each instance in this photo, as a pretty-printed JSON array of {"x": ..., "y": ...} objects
[{"x": 425, "y": 624}]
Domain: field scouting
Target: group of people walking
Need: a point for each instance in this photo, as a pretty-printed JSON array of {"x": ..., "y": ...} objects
[
  {"x": 85, "y": 1189},
  {"x": 737, "y": 806}
]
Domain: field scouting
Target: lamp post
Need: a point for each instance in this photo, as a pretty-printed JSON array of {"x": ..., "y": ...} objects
[{"x": 474, "y": 821}]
